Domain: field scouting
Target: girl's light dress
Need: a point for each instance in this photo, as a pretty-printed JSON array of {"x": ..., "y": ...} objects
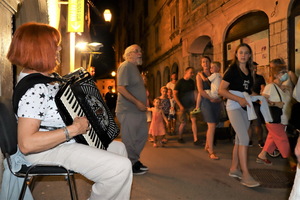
[{"x": 157, "y": 127}]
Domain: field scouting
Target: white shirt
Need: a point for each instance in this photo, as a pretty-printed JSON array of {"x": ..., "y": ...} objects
[
  {"x": 170, "y": 85},
  {"x": 274, "y": 97}
]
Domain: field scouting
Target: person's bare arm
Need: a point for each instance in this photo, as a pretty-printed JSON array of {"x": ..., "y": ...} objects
[
  {"x": 177, "y": 100},
  {"x": 297, "y": 150},
  {"x": 293, "y": 77},
  {"x": 200, "y": 88},
  {"x": 271, "y": 103},
  {"x": 31, "y": 140},
  {"x": 164, "y": 117},
  {"x": 123, "y": 91}
]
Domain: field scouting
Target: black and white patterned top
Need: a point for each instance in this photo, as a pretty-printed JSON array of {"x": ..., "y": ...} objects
[{"x": 39, "y": 103}]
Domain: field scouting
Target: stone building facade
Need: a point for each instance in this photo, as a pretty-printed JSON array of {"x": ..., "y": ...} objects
[{"x": 174, "y": 34}]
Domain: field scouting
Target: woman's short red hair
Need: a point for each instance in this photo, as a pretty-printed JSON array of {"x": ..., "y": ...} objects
[{"x": 34, "y": 46}]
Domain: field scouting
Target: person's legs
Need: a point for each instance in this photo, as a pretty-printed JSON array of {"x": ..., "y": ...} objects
[
  {"x": 209, "y": 146},
  {"x": 235, "y": 159},
  {"x": 173, "y": 126},
  {"x": 111, "y": 172},
  {"x": 240, "y": 123},
  {"x": 280, "y": 139},
  {"x": 194, "y": 127},
  {"x": 134, "y": 131},
  {"x": 243, "y": 156},
  {"x": 181, "y": 129},
  {"x": 182, "y": 120},
  {"x": 268, "y": 147}
]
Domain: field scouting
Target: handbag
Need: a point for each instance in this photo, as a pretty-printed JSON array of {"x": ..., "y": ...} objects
[
  {"x": 223, "y": 112},
  {"x": 275, "y": 111}
]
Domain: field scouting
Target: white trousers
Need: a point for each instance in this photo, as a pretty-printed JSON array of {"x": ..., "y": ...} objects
[{"x": 111, "y": 170}]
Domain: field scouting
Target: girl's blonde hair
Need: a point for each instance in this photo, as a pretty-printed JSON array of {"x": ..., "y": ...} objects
[{"x": 163, "y": 88}]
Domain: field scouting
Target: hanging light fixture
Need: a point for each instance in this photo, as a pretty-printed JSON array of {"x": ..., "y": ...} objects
[{"x": 107, "y": 15}]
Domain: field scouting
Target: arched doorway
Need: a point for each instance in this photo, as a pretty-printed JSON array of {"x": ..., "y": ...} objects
[
  {"x": 202, "y": 46},
  {"x": 253, "y": 29},
  {"x": 174, "y": 68},
  {"x": 157, "y": 84},
  {"x": 294, "y": 38},
  {"x": 166, "y": 75}
]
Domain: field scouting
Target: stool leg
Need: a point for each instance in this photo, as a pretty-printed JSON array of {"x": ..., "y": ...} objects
[{"x": 24, "y": 186}]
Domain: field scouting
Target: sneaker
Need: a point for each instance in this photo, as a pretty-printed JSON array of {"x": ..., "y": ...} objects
[
  {"x": 142, "y": 167},
  {"x": 138, "y": 171},
  {"x": 198, "y": 143},
  {"x": 181, "y": 141},
  {"x": 250, "y": 143},
  {"x": 195, "y": 111},
  {"x": 249, "y": 182},
  {"x": 235, "y": 174},
  {"x": 263, "y": 161}
]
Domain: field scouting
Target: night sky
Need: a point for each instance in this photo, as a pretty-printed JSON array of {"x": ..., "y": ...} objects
[{"x": 102, "y": 31}]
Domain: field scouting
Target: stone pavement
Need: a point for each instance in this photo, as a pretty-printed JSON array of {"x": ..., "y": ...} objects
[{"x": 185, "y": 172}]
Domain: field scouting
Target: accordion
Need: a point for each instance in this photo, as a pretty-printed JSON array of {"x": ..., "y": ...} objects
[{"x": 79, "y": 96}]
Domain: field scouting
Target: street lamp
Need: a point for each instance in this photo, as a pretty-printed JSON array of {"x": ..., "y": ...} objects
[
  {"x": 107, "y": 15},
  {"x": 113, "y": 73},
  {"x": 89, "y": 48}
]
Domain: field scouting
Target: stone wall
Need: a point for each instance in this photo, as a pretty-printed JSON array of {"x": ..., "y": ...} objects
[
  {"x": 7, "y": 10},
  {"x": 278, "y": 39},
  {"x": 22, "y": 10},
  {"x": 210, "y": 18}
]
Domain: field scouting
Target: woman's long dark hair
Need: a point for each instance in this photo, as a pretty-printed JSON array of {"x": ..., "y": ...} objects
[{"x": 249, "y": 65}]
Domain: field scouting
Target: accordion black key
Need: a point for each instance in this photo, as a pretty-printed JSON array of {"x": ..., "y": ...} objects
[{"x": 79, "y": 96}]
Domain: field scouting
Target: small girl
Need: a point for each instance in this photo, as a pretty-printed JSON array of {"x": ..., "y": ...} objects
[
  {"x": 157, "y": 127},
  {"x": 172, "y": 113},
  {"x": 165, "y": 106}
]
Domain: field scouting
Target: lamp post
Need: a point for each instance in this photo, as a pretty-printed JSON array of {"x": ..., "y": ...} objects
[
  {"x": 90, "y": 49},
  {"x": 107, "y": 15}
]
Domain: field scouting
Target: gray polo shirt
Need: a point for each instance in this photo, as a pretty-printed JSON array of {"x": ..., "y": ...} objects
[{"x": 128, "y": 75}]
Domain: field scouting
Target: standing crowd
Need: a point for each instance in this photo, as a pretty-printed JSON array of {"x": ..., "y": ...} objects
[{"x": 249, "y": 101}]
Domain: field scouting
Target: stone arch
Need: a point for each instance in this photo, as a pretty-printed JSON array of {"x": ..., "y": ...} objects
[
  {"x": 157, "y": 84},
  {"x": 151, "y": 86},
  {"x": 294, "y": 37},
  {"x": 166, "y": 75},
  {"x": 251, "y": 28},
  {"x": 201, "y": 46},
  {"x": 174, "y": 68}
]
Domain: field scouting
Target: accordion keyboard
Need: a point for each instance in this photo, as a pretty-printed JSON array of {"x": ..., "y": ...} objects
[{"x": 74, "y": 109}]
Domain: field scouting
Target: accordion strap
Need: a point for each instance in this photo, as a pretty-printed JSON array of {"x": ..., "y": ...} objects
[{"x": 26, "y": 83}]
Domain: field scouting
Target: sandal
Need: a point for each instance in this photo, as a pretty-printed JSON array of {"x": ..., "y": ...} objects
[
  {"x": 213, "y": 156},
  {"x": 263, "y": 161}
]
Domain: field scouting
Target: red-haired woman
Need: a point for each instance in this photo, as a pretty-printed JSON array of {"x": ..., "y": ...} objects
[{"x": 43, "y": 137}]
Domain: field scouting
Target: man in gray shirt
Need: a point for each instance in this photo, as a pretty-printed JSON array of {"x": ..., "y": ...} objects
[{"x": 131, "y": 107}]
